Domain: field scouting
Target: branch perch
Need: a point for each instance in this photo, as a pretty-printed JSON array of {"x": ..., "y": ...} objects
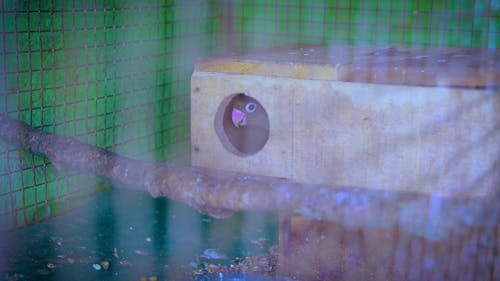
[{"x": 220, "y": 193}]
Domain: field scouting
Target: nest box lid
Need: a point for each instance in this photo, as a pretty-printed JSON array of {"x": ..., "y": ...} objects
[{"x": 451, "y": 67}]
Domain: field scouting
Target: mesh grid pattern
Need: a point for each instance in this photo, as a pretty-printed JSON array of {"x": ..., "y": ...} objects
[
  {"x": 459, "y": 23},
  {"x": 116, "y": 73},
  {"x": 110, "y": 73}
]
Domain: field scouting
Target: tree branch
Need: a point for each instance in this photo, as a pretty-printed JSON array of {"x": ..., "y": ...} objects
[{"x": 220, "y": 193}]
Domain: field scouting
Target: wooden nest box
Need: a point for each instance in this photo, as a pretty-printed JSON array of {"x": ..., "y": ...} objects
[{"x": 408, "y": 119}]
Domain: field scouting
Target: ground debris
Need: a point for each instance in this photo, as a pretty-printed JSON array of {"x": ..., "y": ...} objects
[{"x": 262, "y": 264}]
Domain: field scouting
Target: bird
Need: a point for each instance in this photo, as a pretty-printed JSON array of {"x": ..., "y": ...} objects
[{"x": 246, "y": 124}]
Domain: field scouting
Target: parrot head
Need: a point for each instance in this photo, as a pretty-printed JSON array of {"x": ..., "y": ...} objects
[
  {"x": 245, "y": 124},
  {"x": 241, "y": 109}
]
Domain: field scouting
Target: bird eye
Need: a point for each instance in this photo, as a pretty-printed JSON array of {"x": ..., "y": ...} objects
[{"x": 250, "y": 107}]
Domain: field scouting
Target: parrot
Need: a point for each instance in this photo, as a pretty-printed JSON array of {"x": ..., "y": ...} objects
[{"x": 246, "y": 124}]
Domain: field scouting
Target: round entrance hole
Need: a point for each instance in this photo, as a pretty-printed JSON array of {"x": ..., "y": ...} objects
[{"x": 242, "y": 124}]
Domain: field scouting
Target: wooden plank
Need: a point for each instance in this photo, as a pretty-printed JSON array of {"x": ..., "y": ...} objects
[
  {"x": 326, "y": 251},
  {"x": 453, "y": 67}
]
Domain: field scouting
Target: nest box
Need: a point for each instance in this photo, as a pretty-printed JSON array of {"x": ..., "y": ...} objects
[
  {"x": 424, "y": 120},
  {"x": 406, "y": 119}
]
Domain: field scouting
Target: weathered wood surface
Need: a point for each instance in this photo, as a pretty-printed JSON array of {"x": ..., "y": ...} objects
[
  {"x": 314, "y": 250},
  {"x": 452, "y": 67},
  {"x": 220, "y": 193}
]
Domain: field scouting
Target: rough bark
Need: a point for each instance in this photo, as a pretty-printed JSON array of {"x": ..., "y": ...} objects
[{"x": 220, "y": 193}]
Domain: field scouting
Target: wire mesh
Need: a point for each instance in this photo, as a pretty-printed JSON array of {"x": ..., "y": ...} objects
[
  {"x": 116, "y": 74},
  {"x": 418, "y": 23},
  {"x": 110, "y": 73}
]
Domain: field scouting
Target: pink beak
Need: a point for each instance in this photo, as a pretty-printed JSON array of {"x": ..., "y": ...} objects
[{"x": 238, "y": 117}]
